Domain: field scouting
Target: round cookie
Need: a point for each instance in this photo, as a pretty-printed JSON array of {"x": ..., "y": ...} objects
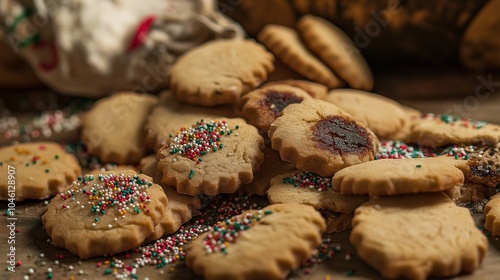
[
  {"x": 220, "y": 71},
  {"x": 336, "y": 50},
  {"x": 385, "y": 117},
  {"x": 285, "y": 44},
  {"x": 113, "y": 129},
  {"x": 211, "y": 157},
  {"x": 262, "y": 106},
  {"x": 35, "y": 170},
  {"x": 272, "y": 166},
  {"x": 315, "y": 90},
  {"x": 398, "y": 176},
  {"x": 180, "y": 207},
  {"x": 311, "y": 189},
  {"x": 105, "y": 214},
  {"x": 258, "y": 244},
  {"x": 321, "y": 138},
  {"x": 440, "y": 130},
  {"x": 492, "y": 214},
  {"x": 169, "y": 115},
  {"x": 417, "y": 236}
]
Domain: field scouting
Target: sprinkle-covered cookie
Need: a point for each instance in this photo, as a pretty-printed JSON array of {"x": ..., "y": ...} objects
[
  {"x": 484, "y": 165},
  {"x": 385, "y": 117},
  {"x": 258, "y": 244},
  {"x": 113, "y": 129},
  {"x": 106, "y": 213},
  {"x": 315, "y": 90},
  {"x": 211, "y": 157},
  {"x": 398, "y": 176},
  {"x": 262, "y": 106},
  {"x": 417, "y": 236},
  {"x": 220, "y": 71},
  {"x": 336, "y": 50},
  {"x": 169, "y": 115},
  {"x": 440, "y": 130},
  {"x": 180, "y": 207},
  {"x": 272, "y": 166},
  {"x": 492, "y": 215},
  {"x": 284, "y": 43},
  {"x": 319, "y": 137},
  {"x": 35, "y": 170}
]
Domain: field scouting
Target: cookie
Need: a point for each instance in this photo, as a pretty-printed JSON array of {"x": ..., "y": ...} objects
[
  {"x": 272, "y": 166},
  {"x": 440, "y": 130},
  {"x": 336, "y": 50},
  {"x": 385, "y": 117},
  {"x": 180, "y": 207},
  {"x": 169, "y": 115},
  {"x": 35, "y": 170},
  {"x": 262, "y": 106},
  {"x": 470, "y": 192},
  {"x": 417, "y": 236},
  {"x": 309, "y": 188},
  {"x": 258, "y": 244},
  {"x": 491, "y": 214},
  {"x": 211, "y": 157},
  {"x": 285, "y": 44},
  {"x": 483, "y": 165},
  {"x": 319, "y": 137},
  {"x": 315, "y": 90},
  {"x": 220, "y": 71},
  {"x": 105, "y": 214},
  {"x": 398, "y": 176},
  {"x": 113, "y": 129}
]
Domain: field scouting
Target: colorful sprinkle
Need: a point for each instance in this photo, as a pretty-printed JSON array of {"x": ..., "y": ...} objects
[
  {"x": 309, "y": 180},
  {"x": 456, "y": 120}
]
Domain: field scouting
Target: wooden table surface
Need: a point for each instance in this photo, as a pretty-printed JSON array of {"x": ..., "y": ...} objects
[{"x": 419, "y": 89}]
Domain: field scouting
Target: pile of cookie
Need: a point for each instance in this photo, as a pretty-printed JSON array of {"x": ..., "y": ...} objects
[{"x": 328, "y": 160}]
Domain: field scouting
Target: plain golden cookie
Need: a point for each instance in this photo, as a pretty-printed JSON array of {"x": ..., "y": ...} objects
[
  {"x": 35, "y": 170},
  {"x": 262, "y": 106},
  {"x": 440, "y": 130},
  {"x": 315, "y": 90},
  {"x": 113, "y": 129},
  {"x": 170, "y": 114},
  {"x": 264, "y": 244},
  {"x": 220, "y": 71},
  {"x": 211, "y": 157},
  {"x": 492, "y": 214},
  {"x": 105, "y": 214},
  {"x": 385, "y": 117},
  {"x": 180, "y": 208},
  {"x": 398, "y": 176},
  {"x": 336, "y": 50},
  {"x": 320, "y": 137},
  {"x": 285, "y": 44},
  {"x": 417, "y": 236}
]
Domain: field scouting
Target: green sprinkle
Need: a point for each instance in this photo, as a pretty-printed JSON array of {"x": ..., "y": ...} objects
[
  {"x": 27, "y": 164},
  {"x": 268, "y": 212},
  {"x": 1, "y": 163},
  {"x": 237, "y": 127},
  {"x": 419, "y": 165},
  {"x": 191, "y": 174},
  {"x": 47, "y": 171},
  {"x": 56, "y": 156},
  {"x": 96, "y": 219},
  {"x": 108, "y": 271},
  {"x": 50, "y": 275}
]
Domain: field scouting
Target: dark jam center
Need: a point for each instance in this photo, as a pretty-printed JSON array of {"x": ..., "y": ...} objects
[
  {"x": 276, "y": 101},
  {"x": 341, "y": 136}
]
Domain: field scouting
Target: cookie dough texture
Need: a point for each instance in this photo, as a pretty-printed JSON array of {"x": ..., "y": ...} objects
[
  {"x": 39, "y": 170},
  {"x": 169, "y": 115},
  {"x": 336, "y": 50},
  {"x": 492, "y": 215},
  {"x": 267, "y": 250},
  {"x": 219, "y": 72},
  {"x": 222, "y": 171},
  {"x": 180, "y": 208},
  {"x": 319, "y": 137},
  {"x": 113, "y": 129},
  {"x": 71, "y": 227},
  {"x": 284, "y": 43},
  {"x": 417, "y": 236},
  {"x": 398, "y": 176},
  {"x": 385, "y": 117}
]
